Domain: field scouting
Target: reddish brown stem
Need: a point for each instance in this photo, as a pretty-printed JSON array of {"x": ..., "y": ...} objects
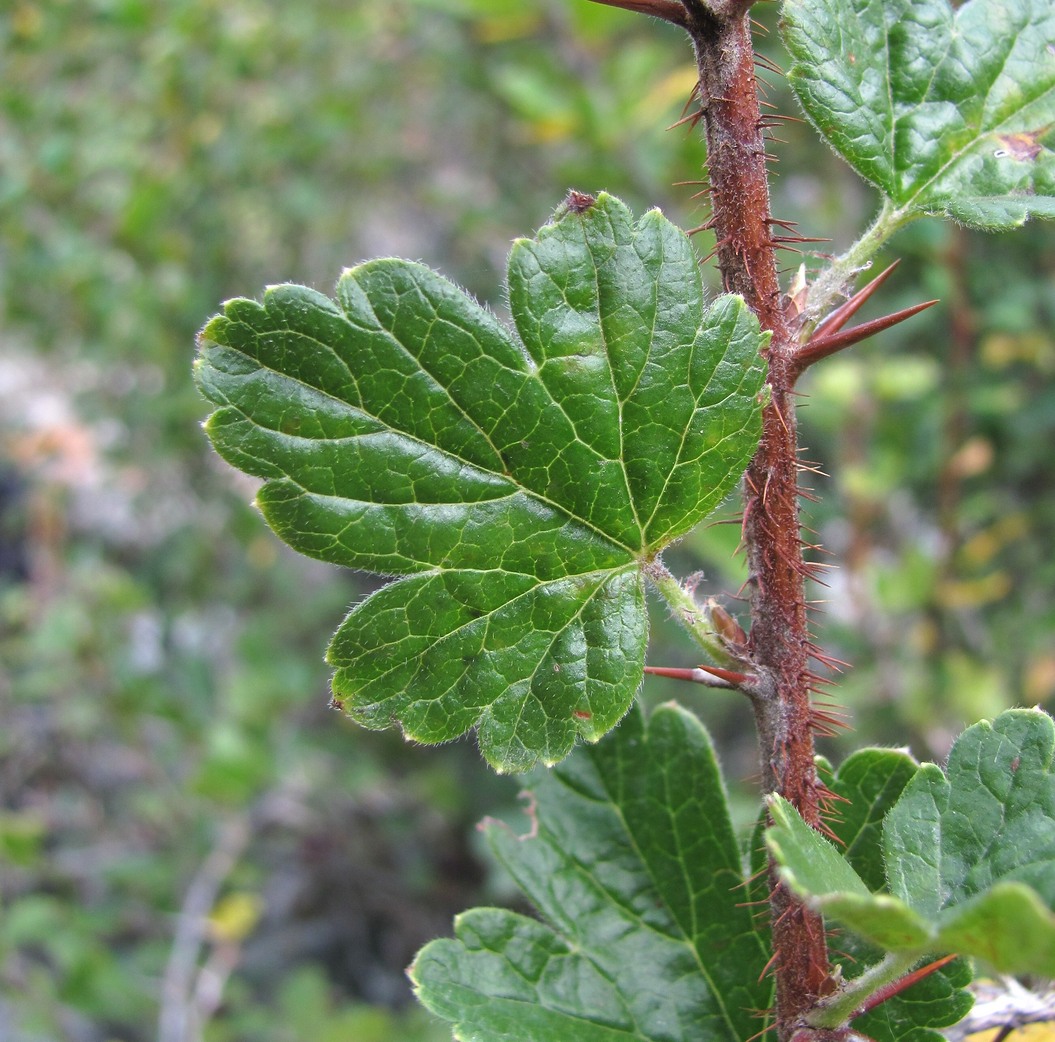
[{"x": 779, "y": 641}]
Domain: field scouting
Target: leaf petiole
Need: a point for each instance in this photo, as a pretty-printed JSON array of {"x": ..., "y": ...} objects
[
  {"x": 689, "y": 613},
  {"x": 832, "y": 284},
  {"x": 852, "y": 998}
]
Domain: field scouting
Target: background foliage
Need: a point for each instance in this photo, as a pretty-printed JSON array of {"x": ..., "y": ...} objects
[{"x": 165, "y": 744}]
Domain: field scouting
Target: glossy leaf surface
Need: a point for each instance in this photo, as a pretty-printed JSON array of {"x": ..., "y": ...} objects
[
  {"x": 970, "y": 854},
  {"x": 948, "y": 110},
  {"x": 633, "y": 866},
  {"x": 520, "y": 481}
]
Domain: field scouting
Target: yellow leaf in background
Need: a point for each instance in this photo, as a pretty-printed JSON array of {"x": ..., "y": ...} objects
[
  {"x": 27, "y": 21},
  {"x": 984, "y": 545},
  {"x": 1000, "y": 350},
  {"x": 672, "y": 89},
  {"x": 502, "y": 28},
  {"x": 973, "y": 457},
  {"x": 1039, "y": 683},
  {"x": 974, "y": 592},
  {"x": 234, "y": 917},
  {"x": 1029, "y": 1033}
]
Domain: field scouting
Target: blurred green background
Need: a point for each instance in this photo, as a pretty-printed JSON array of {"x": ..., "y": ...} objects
[{"x": 191, "y": 845}]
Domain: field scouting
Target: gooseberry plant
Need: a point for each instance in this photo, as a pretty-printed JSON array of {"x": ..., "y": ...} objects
[{"x": 521, "y": 485}]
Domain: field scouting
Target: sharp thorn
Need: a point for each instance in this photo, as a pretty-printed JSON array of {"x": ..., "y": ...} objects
[
  {"x": 692, "y": 119},
  {"x": 710, "y": 676},
  {"x": 898, "y": 986},
  {"x": 674, "y": 673},
  {"x": 842, "y": 314},
  {"x": 668, "y": 10},
  {"x": 729, "y": 675},
  {"x": 797, "y": 238},
  {"x": 769, "y": 965},
  {"x": 821, "y": 347}
]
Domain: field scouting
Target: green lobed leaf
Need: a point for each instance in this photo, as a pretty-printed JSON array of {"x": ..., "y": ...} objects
[
  {"x": 519, "y": 482},
  {"x": 869, "y": 783},
  {"x": 948, "y": 110},
  {"x": 970, "y": 854},
  {"x": 633, "y": 866}
]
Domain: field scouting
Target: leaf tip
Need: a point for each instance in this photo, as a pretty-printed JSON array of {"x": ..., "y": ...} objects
[
  {"x": 578, "y": 202},
  {"x": 212, "y": 331},
  {"x": 778, "y": 808}
]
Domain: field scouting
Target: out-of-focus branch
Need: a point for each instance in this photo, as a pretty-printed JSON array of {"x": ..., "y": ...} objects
[
  {"x": 179, "y": 1019},
  {"x": 1004, "y": 1004}
]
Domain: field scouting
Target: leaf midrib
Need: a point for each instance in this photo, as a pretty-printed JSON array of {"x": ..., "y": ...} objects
[
  {"x": 685, "y": 939},
  {"x": 445, "y": 391}
]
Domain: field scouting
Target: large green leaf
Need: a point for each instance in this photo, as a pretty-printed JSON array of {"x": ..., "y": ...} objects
[
  {"x": 947, "y": 110},
  {"x": 633, "y": 865},
  {"x": 970, "y": 855},
  {"x": 520, "y": 482}
]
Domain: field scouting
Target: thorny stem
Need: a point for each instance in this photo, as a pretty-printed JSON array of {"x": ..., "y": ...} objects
[{"x": 779, "y": 648}]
